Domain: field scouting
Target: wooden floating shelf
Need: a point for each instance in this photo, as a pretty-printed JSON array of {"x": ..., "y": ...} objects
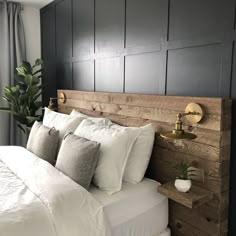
[{"x": 196, "y": 197}]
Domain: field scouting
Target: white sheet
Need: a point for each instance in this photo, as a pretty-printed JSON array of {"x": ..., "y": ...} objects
[
  {"x": 137, "y": 210},
  {"x": 38, "y": 200}
]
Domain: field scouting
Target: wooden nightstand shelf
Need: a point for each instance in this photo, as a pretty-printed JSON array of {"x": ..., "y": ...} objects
[{"x": 194, "y": 198}]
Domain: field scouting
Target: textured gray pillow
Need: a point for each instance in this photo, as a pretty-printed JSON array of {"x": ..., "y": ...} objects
[
  {"x": 43, "y": 142},
  {"x": 77, "y": 158}
]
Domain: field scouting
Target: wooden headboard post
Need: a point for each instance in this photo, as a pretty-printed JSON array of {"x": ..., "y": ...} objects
[{"x": 210, "y": 151}]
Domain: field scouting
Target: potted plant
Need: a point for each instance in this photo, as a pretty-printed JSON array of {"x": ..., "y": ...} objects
[
  {"x": 24, "y": 97},
  {"x": 183, "y": 181}
]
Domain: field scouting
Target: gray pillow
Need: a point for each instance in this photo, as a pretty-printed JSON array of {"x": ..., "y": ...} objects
[
  {"x": 77, "y": 158},
  {"x": 43, "y": 142}
]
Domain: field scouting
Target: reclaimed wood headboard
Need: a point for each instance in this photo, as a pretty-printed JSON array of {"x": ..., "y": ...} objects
[{"x": 210, "y": 151}]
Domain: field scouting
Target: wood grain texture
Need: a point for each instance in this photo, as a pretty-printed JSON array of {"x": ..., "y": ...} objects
[
  {"x": 204, "y": 221},
  {"x": 194, "y": 198},
  {"x": 210, "y": 151},
  {"x": 211, "y": 121}
]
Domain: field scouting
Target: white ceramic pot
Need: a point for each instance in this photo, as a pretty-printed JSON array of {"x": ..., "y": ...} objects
[{"x": 183, "y": 185}]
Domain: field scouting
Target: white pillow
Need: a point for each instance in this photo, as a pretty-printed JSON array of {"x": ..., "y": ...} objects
[
  {"x": 114, "y": 151},
  {"x": 62, "y": 122},
  {"x": 97, "y": 120},
  {"x": 140, "y": 154}
]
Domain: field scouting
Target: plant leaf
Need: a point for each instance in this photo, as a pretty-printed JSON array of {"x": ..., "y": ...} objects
[
  {"x": 21, "y": 71},
  {"x": 35, "y": 80},
  {"x": 28, "y": 79},
  {"x": 38, "y": 62},
  {"x": 26, "y": 65},
  {"x": 32, "y": 118}
]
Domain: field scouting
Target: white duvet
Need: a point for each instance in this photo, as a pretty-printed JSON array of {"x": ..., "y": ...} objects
[{"x": 37, "y": 200}]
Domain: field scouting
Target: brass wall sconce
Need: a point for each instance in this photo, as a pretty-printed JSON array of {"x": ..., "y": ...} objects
[
  {"x": 193, "y": 113},
  {"x": 61, "y": 99}
]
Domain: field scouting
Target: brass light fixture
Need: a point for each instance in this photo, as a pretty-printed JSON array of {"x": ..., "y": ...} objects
[
  {"x": 61, "y": 99},
  {"x": 193, "y": 113}
]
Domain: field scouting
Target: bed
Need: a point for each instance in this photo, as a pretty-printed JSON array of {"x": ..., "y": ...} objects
[{"x": 37, "y": 199}]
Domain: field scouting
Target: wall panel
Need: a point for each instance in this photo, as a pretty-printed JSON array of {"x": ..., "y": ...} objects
[
  {"x": 190, "y": 18},
  {"x": 83, "y": 27},
  {"x": 83, "y": 75},
  {"x": 48, "y": 52},
  {"x": 63, "y": 30},
  {"x": 48, "y": 34},
  {"x": 109, "y": 75},
  {"x": 233, "y": 84},
  {"x": 64, "y": 76},
  {"x": 144, "y": 22},
  {"x": 144, "y": 71},
  {"x": 49, "y": 82},
  {"x": 194, "y": 71},
  {"x": 109, "y": 25}
]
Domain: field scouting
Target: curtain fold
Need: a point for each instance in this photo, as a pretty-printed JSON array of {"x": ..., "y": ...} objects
[{"x": 12, "y": 53}]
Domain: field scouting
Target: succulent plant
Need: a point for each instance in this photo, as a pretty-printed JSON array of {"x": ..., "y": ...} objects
[{"x": 185, "y": 173}]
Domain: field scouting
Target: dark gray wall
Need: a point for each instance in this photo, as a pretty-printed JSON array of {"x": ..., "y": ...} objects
[{"x": 183, "y": 47}]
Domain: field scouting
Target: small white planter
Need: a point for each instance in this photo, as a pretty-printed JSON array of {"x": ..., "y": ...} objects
[{"x": 183, "y": 185}]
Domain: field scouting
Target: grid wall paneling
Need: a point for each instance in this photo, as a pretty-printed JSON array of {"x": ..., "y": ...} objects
[{"x": 167, "y": 47}]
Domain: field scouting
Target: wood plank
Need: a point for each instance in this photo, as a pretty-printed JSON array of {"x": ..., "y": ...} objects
[
  {"x": 226, "y": 107},
  {"x": 210, "y": 121},
  {"x": 173, "y": 158},
  {"x": 225, "y": 168},
  {"x": 192, "y": 199},
  {"x": 225, "y": 153},
  {"x": 225, "y": 138},
  {"x": 224, "y": 206},
  {"x": 216, "y": 185},
  {"x": 224, "y": 228},
  {"x": 168, "y": 173},
  {"x": 210, "y": 168},
  {"x": 210, "y": 213},
  {"x": 191, "y": 216},
  {"x": 192, "y": 148},
  {"x": 226, "y": 123},
  {"x": 174, "y": 103},
  {"x": 205, "y": 136},
  {"x": 219, "y": 198},
  {"x": 180, "y": 227}
]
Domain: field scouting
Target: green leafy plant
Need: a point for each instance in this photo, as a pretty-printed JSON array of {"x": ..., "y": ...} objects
[
  {"x": 185, "y": 173},
  {"x": 23, "y": 97}
]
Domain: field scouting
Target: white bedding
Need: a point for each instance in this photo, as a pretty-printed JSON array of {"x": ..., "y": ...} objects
[
  {"x": 38, "y": 200},
  {"x": 137, "y": 210}
]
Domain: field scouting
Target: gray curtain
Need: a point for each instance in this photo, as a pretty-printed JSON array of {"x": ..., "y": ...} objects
[{"x": 12, "y": 52}]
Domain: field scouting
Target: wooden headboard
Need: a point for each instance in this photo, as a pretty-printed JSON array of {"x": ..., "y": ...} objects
[{"x": 210, "y": 151}]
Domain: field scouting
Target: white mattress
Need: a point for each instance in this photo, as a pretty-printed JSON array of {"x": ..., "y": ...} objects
[{"x": 137, "y": 210}]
